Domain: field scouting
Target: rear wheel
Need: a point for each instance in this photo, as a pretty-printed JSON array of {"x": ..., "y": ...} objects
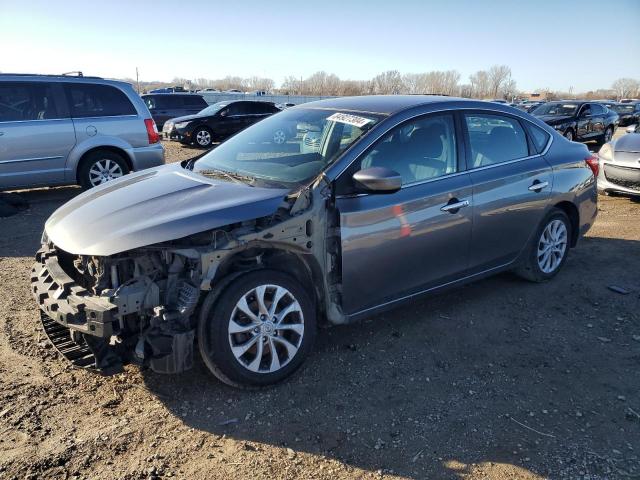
[
  {"x": 549, "y": 248},
  {"x": 568, "y": 134},
  {"x": 608, "y": 135},
  {"x": 258, "y": 331},
  {"x": 100, "y": 167}
]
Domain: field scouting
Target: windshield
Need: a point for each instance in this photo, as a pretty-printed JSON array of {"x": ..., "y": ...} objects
[
  {"x": 556, "y": 109},
  {"x": 213, "y": 109},
  {"x": 287, "y": 148}
]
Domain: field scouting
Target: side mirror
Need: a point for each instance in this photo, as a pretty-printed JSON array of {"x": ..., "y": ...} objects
[{"x": 378, "y": 180}]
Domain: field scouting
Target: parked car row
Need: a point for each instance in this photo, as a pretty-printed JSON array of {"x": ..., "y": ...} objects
[{"x": 579, "y": 121}]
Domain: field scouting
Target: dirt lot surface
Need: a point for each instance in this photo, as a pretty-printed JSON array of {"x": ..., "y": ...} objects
[{"x": 501, "y": 379}]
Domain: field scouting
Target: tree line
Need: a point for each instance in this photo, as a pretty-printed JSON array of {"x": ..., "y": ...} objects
[{"x": 493, "y": 83}]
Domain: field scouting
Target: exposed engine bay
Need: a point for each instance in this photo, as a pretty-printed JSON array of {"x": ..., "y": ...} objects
[{"x": 140, "y": 306}]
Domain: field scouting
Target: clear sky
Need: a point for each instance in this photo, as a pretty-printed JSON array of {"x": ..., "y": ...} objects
[{"x": 584, "y": 44}]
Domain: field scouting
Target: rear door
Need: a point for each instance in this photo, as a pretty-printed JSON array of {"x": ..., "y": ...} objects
[
  {"x": 511, "y": 188},
  {"x": 395, "y": 245},
  {"x": 36, "y": 134}
]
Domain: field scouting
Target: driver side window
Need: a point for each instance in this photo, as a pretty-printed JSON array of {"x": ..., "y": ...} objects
[
  {"x": 418, "y": 150},
  {"x": 586, "y": 110}
]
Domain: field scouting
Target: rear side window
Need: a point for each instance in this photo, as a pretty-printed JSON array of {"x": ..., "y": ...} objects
[
  {"x": 194, "y": 101},
  {"x": 539, "y": 136},
  {"x": 597, "y": 109},
  {"x": 27, "y": 101},
  {"x": 86, "y": 100},
  {"x": 495, "y": 139}
]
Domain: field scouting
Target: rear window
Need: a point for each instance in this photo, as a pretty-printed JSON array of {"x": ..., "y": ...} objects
[
  {"x": 86, "y": 100},
  {"x": 495, "y": 139},
  {"x": 195, "y": 101}
]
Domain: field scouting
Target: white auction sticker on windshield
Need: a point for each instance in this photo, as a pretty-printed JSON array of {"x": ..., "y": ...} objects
[{"x": 354, "y": 120}]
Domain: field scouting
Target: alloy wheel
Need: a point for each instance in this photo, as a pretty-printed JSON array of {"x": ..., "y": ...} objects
[
  {"x": 608, "y": 134},
  {"x": 203, "y": 138},
  {"x": 552, "y": 246},
  {"x": 104, "y": 170},
  {"x": 279, "y": 137},
  {"x": 568, "y": 135},
  {"x": 266, "y": 328}
]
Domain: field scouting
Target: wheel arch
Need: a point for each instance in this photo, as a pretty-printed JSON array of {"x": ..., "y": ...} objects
[
  {"x": 302, "y": 267},
  {"x": 109, "y": 148},
  {"x": 574, "y": 217}
]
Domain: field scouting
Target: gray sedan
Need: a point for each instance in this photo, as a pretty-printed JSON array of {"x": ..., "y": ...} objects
[{"x": 251, "y": 246}]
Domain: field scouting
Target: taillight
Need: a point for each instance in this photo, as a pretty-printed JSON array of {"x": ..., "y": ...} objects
[
  {"x": 594, "y": 164},
  {"x": 152, "y": 130}
]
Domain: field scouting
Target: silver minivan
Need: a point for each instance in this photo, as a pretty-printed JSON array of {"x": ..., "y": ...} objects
[{"x": 57, "y": 130}]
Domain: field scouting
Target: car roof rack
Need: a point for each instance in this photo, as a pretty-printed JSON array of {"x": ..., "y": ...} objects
[{"x": 67, "y": 74}]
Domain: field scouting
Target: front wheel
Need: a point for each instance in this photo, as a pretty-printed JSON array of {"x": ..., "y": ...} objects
[
  {"x": 258, "y": 331},
  {"x": 548, "y": 250},
  {"x": 202, "y": 137}
]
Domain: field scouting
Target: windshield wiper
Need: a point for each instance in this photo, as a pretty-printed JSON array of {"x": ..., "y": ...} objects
[{"x": 233, "y": 176}]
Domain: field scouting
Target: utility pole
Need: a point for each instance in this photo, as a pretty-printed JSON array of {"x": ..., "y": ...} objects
[{"x": 137, "y": 81}]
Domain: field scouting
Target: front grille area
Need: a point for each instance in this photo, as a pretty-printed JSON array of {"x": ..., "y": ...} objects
[{"x": 627, "y": 177}]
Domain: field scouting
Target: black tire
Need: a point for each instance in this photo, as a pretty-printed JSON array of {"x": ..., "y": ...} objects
[
  {"x": 85, "y": 175},
  {"x": 530, "y": 268},
  {"x": 202, "y": 137},
  {"x": 214, "y": 339},
  {"x": 569, "y": 135},
  {"x": 607, "y": 136}
]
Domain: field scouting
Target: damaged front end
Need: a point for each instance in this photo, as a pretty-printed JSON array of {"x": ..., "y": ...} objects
[{"x": 104, "y": 312}]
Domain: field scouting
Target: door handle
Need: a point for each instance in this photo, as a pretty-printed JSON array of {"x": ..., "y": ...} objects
[
  {"x": 537, "y": 186},
  {"x": 454, "y": 205}
]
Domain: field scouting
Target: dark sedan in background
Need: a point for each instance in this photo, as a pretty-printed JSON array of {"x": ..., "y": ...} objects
[
  {"x": 629, "y": 113},
  {"x": 220, "y": 121},
  {"x": 579, "y": 121}
]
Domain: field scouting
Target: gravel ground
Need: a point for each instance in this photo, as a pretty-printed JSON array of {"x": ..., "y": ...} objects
[{"x": 501, "y": 379}]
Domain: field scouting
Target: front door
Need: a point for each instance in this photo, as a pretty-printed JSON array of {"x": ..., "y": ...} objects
[
  {"x": 36, "y": 134},
  {"x": 584, "y": 126},
  {"x": 398, "y": 244}
]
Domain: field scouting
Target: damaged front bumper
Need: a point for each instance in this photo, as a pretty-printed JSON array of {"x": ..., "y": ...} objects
[{"x": 105, "y": 331}]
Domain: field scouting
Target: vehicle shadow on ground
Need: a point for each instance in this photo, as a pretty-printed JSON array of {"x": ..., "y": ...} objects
[
  {"x": 501, "y": 372},
  {"x": 20, "y": 234}
]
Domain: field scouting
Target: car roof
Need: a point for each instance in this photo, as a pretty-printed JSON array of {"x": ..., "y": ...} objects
[
  {"x": 380, "y": 104},
  {"x": 33, "y": 77},
  {"x": 179, "y": 94}
]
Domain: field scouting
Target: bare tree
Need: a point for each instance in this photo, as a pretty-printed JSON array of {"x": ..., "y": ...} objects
[
  {"x": 499, "y": 77},
  {"x": 480, "y": 84},
  {"x": 389, "y": 82},
  {"x": 626, "y": 87}
]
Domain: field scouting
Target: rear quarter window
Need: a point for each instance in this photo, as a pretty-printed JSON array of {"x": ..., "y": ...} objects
[
  {"x": 87, "y": 100},
  {"x": 539, "y": 137}
]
